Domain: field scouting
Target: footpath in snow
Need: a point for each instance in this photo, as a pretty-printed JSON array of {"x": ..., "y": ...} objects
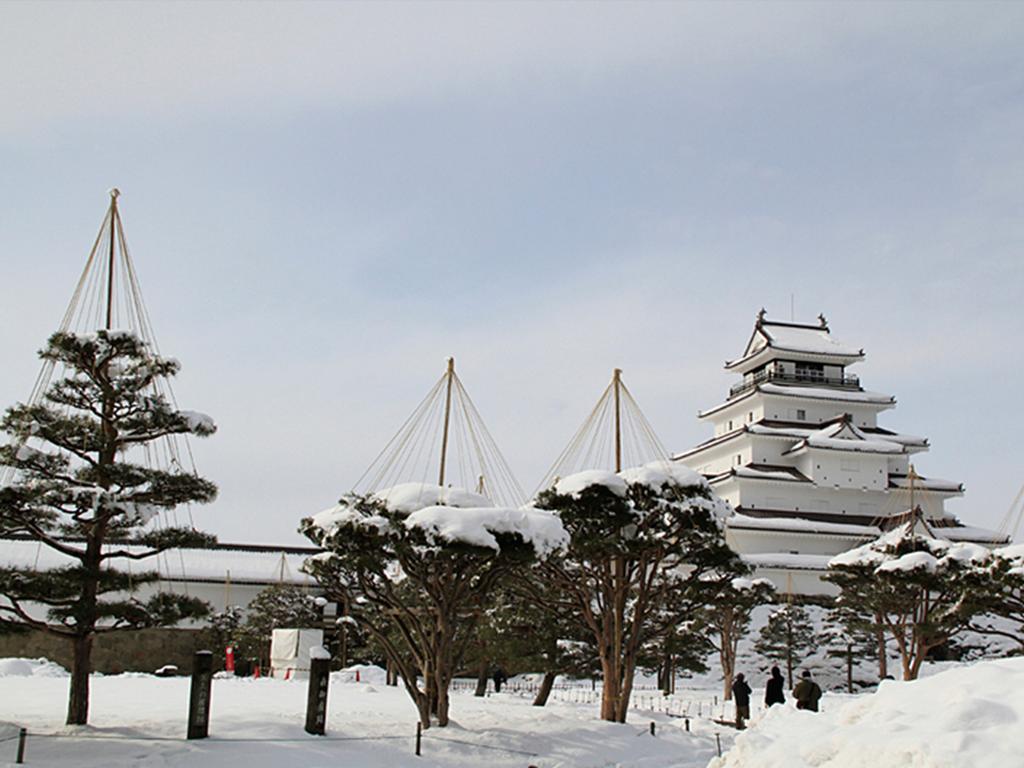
[
  {"x": 139, "y": 719},
  {"x": 965, "y": 717}
]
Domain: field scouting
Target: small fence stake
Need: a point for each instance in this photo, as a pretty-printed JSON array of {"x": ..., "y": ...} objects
[
  {"x": 22, "y": 737},
  {"x": 652, "y": 727},
  {"x": 419, "y": 737},
  {"x": 718, "y": 744},
  {"x": 687, "y": 721}
]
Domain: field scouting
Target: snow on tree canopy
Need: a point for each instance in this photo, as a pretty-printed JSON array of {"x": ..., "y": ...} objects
[
  {"x": 657, "y": 473},
  {"x": 936, "y": 555},
  {"x": 199, "y": 422},
  {"x": 478, "y": 526},
  {"x": 574, "y": 485},
  {"x": 409, "y": 497},
  {"x": 654, "y": 475},
  {"x": 449, "y": 514},
  {"x": 1013, "y": 555},
  {"x": 741, "y": 583}
]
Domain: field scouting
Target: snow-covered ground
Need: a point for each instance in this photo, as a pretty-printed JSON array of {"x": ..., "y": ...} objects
[
  {"x": 964, "y": 717},
  {"x": 140, "y": 719}
]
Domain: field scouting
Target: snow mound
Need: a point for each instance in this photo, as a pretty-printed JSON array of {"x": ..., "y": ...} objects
[
  {"x": 368, "y": 673},
  {"x": 967, "y": 717},
  {"x": 31, "y": 668}
]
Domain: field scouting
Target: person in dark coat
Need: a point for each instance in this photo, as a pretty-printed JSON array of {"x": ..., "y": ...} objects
[
  {"x": 773, "y": 691},
  {"x": 807, "y": 693},
  {"x": 741, "y": 695},
  {"x": 499, "y": 679}
]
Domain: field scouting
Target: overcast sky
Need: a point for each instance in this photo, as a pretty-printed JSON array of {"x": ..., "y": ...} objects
[{"x": 324, "y": 201}]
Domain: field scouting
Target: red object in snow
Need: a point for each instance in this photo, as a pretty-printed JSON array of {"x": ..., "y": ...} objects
[
  {"x": 357, "y": 675},
  {"x": 256, "y": 670},
  {"x": 229, "y": 659}
]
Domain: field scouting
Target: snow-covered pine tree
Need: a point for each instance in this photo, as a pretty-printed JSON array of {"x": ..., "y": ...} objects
[
  {"x": 415, "y": 565},
  {"x": 87, "y": 499},
  {"x": 850, "y": 630},
  {"x": 1004, "y": 596},
  {"x": 531, "y": 638},
  {"x": 643, "y": 544},
  {"x": 789, "y": 635},
  {"x": 923, "y": 589},
  {"x": 729, "y": 616}
]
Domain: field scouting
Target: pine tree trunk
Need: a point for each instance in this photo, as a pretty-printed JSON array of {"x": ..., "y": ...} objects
[
  {"x": 727, "y": 658},
  {"x": 545, "y": 689},
  {"x": 789, "y": 651},
  {"x": 442, "y": 705},
  {"x": 609, "y": 689},
  {"x": 78, "y": 700},
  {"x": 883, "y": 658},
  {"x": 625, "y": 689},
  {"x": 481, "y": 679}
]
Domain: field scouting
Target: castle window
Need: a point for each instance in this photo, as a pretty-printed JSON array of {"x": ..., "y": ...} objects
[{"x": 801, "y": 414}]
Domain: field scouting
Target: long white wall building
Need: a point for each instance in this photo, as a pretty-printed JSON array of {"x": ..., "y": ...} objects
[{"x": 798, "y": 451}]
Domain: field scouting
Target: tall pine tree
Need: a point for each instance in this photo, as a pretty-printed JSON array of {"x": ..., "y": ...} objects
[
  {"x": 646, "y": 553},
  {"x": 789, "y": 635},
  {"x": 87, "y": 495}
]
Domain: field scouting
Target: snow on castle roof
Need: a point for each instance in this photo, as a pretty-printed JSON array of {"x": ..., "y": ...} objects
[
  {"x": 795, "y": 337},
  {"x": 821, "y": 393},
  {"x": 843, "y": 435},
  {"x": 803, "y": 338},
  {"x": 800, "y": 525}
]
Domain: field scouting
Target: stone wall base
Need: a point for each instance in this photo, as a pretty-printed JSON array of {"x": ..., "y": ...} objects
[{"x": 144, "y": 650}]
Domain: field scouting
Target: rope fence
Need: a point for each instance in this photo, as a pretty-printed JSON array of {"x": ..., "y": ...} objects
[{"x": 23, "y": 736}]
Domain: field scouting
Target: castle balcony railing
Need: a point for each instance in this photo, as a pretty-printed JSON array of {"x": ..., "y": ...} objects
[{"x": 813, "y": 378}]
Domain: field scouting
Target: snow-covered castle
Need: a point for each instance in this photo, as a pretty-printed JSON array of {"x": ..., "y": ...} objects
[{"x": 798, "y": 451}]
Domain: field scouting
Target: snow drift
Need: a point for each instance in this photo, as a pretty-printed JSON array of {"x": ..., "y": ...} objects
[{"x": 964, "y": 717}]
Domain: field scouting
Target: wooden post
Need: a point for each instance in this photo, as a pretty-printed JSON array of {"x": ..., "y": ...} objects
[
  {"x": 419, "y": 736},
  {"x": 652, "y": 727},
  {"x": 617, "y": 383},
  {"x": 110, "y": 262},
  {"x": 447, "y": 418},
  {"x": 22, "y": 737},
  {"x": 686, "y": 722},
  {"x": 316, "y": 699},
  {"x": 199, "y": 696},
  {"x": 718, "y": 744}
]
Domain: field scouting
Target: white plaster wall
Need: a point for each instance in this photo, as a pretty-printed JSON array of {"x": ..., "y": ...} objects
[
  {"x": 753, "y": 542},
  {"x": 797, "y": 582}
]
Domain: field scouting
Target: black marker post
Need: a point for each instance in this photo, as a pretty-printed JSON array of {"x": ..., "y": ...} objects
[
  {"x": 316, "y": 700},
  {"x": 199, "y": 697}
]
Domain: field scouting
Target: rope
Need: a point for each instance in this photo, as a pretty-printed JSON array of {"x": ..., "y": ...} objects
[{"x": 592, "y": 445}]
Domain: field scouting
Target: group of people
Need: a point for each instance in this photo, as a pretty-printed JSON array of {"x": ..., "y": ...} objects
[{"x": 806, "y": 692}]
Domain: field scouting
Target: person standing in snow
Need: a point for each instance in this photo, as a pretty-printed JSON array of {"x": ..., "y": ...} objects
[
  {"x": 741, "y": 695},
  {"x": 773, "y": 690},
  {"x": 499, "y": 678},
  {"x": 807, "y": 692}
]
